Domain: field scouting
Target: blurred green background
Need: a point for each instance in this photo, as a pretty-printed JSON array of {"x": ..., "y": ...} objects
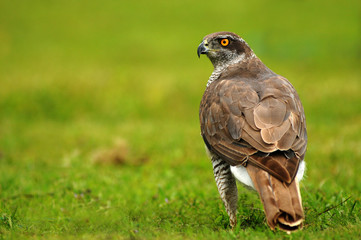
[{"x": 77, "y": 76}]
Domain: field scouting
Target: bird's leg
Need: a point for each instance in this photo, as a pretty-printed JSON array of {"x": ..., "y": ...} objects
[{"x": 227, "y": 187}]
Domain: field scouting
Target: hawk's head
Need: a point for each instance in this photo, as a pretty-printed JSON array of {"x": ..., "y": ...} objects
[{"x": 224, "y": 48}]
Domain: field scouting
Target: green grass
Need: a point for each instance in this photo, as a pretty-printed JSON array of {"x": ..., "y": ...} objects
[{"x": 83, "y": 78}]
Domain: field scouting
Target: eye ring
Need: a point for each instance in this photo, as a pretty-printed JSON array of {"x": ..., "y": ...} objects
[{"x": 224, "y": 42}]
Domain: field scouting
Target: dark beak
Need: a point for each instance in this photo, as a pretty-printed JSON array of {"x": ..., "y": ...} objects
[{"x": 202, "y": 49}]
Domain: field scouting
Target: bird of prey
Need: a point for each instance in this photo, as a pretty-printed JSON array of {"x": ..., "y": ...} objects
[{"x": 253, "y": 125}]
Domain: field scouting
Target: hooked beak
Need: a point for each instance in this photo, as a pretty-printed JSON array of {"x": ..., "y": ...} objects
[{"x": 202, "y": 48}]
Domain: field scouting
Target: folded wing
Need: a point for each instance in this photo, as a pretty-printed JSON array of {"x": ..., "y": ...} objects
[{"x": 256, "y": 122}]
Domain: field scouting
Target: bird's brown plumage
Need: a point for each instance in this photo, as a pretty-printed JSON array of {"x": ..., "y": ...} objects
[
  {"x": 250, "y": 115},
  {"x": 250, "y": 112}
]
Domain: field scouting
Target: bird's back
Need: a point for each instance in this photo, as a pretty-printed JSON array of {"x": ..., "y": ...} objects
[{"x": 251, "y": 111}]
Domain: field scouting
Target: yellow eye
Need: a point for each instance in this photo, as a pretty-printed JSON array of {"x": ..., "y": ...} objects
[{"x": 224, "y": 42}]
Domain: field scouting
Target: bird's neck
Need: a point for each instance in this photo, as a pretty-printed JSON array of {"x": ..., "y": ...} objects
[
  {"x": 220, "y": 66},
  {"x": 215, "y": 74}
]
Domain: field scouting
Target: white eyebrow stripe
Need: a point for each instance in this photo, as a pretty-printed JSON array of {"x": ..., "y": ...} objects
[
  {"x": 230, "y": 36},
  {"x": 225, "y": 36}
]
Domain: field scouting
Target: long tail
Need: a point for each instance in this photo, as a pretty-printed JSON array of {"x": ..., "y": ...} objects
[{"x": 282, "y": 203}]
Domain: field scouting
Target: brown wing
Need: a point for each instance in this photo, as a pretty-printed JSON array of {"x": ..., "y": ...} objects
[{"x": 259, "y": 122}]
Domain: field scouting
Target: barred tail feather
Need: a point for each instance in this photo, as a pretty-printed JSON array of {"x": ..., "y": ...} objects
[{"x": 282, "y": 203}]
